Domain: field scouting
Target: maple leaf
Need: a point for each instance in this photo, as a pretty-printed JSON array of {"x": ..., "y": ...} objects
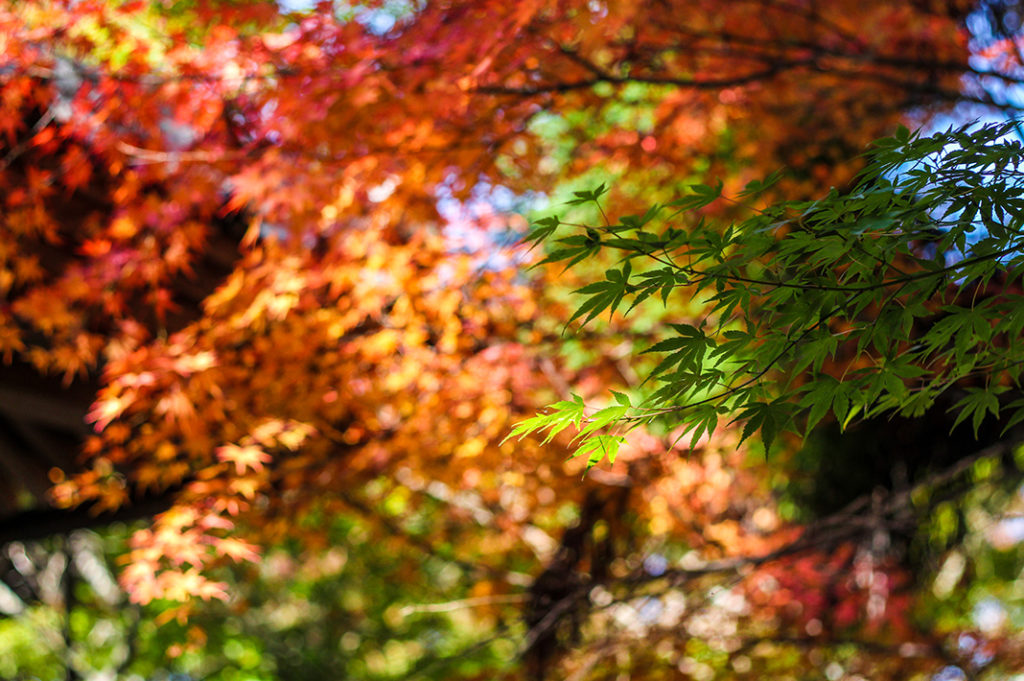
[
  {"x": 106, "y": 410},
  {"x": 139, "y": 579},
  {"x": 176, "y": 405},
  {"x": 214, "y": 521},
  {"x": 246, "y": 487},
  {"x": 181, "y": 586},
  {"x": 244, "y": 457},
  {"x": 237, "y": 550},
  {"x": 190, "y": 364}
]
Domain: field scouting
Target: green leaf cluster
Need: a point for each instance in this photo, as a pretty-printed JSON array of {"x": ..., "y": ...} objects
[{"x": 870, "y": 300}]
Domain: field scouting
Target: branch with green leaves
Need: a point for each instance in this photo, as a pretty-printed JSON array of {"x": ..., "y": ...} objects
[{"x": 873, "y": 300}]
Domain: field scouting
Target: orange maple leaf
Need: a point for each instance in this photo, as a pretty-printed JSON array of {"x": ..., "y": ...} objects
[
  {"x": 237, "y": 550},
  {"x": 244, "y": 457}
]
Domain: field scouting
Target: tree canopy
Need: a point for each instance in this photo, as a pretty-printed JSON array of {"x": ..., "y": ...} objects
[{"x": 277, "y": 241}]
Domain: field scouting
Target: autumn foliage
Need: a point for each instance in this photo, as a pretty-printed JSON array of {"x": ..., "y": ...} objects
[{"x": 232, "y": 216}]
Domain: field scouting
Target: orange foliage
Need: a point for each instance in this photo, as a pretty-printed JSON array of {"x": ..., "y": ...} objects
[{"x": 348, "y": 340}]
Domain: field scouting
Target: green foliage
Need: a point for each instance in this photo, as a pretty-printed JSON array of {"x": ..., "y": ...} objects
[
  {"x": 23, "y": 648},
  {"x": 358, "y": 608},
  {"x": 872, "y": 300}
]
